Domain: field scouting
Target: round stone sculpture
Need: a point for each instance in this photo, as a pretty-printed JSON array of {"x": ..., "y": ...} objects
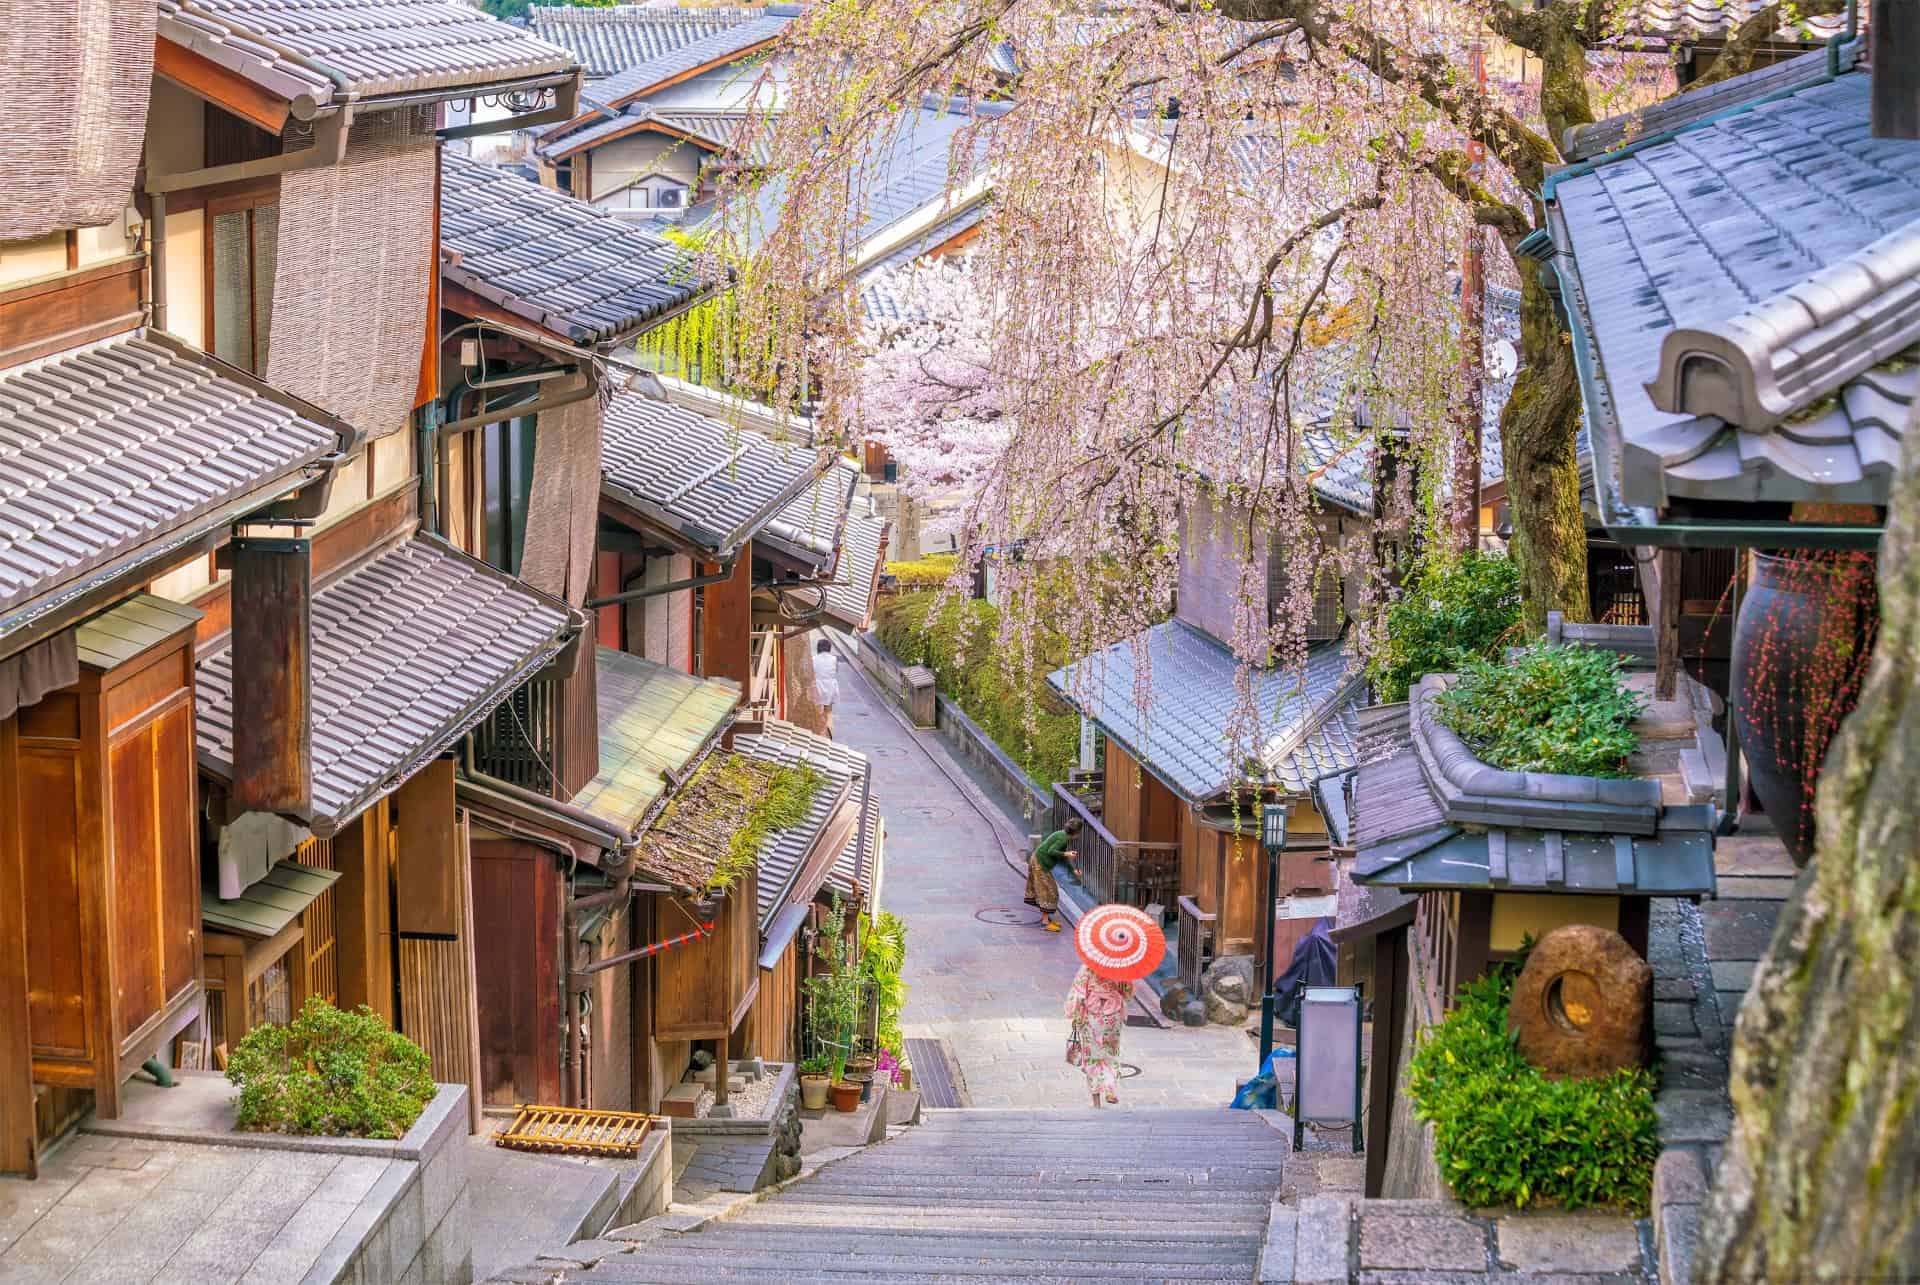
[{"x": 1580, "y": 1005}]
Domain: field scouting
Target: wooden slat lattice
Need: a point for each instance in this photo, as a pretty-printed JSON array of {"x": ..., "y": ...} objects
[{"x": 576, "y": 1131}]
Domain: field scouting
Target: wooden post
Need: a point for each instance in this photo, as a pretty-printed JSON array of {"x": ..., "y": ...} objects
[
  {"x": 726, "y": 624},
  {"x": 18, "y": 1144},
  {"x": 272, "y": 605},
  {"x": 364, "y": 934},
  {"x": 1666, "y": 627},
  {"x": 1895, "y": 33},
  {"x": 721, "y": 1068}
]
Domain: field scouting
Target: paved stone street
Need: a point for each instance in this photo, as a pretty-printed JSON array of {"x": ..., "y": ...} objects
[{"x": 994, "y": 991}]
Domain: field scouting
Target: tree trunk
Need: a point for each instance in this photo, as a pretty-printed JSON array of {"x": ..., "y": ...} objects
[
  {"x": 1819, "y": 1175},
  {"x": 1539, "y": 446}
]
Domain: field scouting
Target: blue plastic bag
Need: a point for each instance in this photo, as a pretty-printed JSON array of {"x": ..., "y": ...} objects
[{"x": 1261, "y": 1093}]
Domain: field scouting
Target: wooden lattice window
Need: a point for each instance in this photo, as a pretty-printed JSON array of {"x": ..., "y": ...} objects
[
  {"x": 242, "y": 243},
  {"x": 270, "y": 995},
  {"x": 319, "y": 927},
  {"x": 1329, "y": 594}
]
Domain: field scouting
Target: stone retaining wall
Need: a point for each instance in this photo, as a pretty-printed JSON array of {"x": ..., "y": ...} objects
[
  {"x": 959, "y": 731},
  {"x": 1330, "y": 1239}
]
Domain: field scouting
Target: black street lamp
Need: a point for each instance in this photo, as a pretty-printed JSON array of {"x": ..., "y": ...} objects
[{"x": 1273, "y": 837}]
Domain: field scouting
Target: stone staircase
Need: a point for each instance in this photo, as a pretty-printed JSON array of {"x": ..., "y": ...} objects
[{"x": 978, "y": 1195}]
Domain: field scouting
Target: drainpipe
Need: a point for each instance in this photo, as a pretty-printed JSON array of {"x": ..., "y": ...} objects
[
  {"x": 157, "y": 256},
  {"x": 426, "y": 448},
  {"x": 672, "y": 586}
]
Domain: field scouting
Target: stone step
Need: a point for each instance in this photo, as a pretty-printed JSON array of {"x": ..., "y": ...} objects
[
  {"x": 1107, "y": 1224},
  {"x": 820, "y": 1244},
  {"x": 683, "y": 1260}
]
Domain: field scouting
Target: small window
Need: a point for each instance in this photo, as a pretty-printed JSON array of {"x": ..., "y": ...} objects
[
  {"x": 241, "y": 241},
  {"x": 507, "y": 473}
]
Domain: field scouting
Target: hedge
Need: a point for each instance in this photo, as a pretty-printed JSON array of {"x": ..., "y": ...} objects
[
  {"x": 1505, "y": 1134},
  {"x": 962, "y": 648}
]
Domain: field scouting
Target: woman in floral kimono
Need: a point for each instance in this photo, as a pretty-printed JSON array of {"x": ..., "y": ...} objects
[{"x": 1097, "y": 1008}]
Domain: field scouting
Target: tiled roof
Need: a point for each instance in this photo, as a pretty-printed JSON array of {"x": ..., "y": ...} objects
[
  {"x": 722, "y": 131},
  {"x": 127, "y": 448},
  {"x": 1723, "y": 226},
  {"x": 1184, "y": 736},
  {"x": 1686, "y": 20},
  {"x": 1586, "y": 141},
  {"x": 608, "y": 39},
  {"x": 877, "y": 294},
  {"x": 850, "y": 597},
  {"x": 653, "y": 720},
  {"x": 635, "y": 80},
  {"x": 1406, "y": 837},
  {"x": 843, "y": 769},
  {"x": 561, "y": 263},
  {"x": 713, "y": 484},
  {"x": 296, "y": 48},
  {"x": 411, "y": 648},
  {"x": 809, "y": 528}
]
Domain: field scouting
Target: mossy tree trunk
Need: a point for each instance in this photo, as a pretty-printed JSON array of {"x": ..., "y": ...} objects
[
  {"x": 1539, "y": 443},
  {"x": 1820, "y": 1177}
]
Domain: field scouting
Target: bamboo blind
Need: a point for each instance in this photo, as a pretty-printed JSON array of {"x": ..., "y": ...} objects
[
  {"x": 433, "y": 1003},
  {"x": 350, "y": 281},
  {"x": 74, "y": 114},
  {"x": 563, "y": 508}
]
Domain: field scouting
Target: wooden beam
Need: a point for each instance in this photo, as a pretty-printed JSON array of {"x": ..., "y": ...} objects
[
  {"x": 1666, "y": 626},
  {"x": 1895, "y": 33},
  {"x": 272, "y": 675},
  {"x": 66, "y": 309},
  {"x": 226, "y": 89}
]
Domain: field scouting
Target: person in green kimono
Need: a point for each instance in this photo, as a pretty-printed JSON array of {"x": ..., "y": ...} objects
[{"x": 1042, "y": 890}]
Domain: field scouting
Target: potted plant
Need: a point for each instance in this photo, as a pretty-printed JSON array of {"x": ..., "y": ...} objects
[
  {"x": 816, "y": 1073},
  {"x": 833, "y": 999},
  {"x": 845, "y": 1094}
]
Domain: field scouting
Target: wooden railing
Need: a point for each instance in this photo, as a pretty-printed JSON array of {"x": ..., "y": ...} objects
[
  {"x": 763, "y": 687},
  {"x": 1114, "y": 869},
  {"x": 1196, "y": 942}
]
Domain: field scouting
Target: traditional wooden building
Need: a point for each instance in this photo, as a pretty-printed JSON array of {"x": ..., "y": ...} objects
[
  {"x": 650, "y": 134},
  {"x": 216, "y": 365}
]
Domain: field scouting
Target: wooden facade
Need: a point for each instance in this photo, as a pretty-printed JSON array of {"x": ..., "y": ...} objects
[{"x": 98, "y": 837}]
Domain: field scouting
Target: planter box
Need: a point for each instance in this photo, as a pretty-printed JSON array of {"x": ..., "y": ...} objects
[{"x": 410, "y": 1225}]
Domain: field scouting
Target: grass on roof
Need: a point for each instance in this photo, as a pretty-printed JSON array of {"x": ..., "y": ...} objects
[{"x": 712, "y": 832}]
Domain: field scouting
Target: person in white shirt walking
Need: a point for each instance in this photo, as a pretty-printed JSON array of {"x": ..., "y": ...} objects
[{"x": 826, "y": 681}]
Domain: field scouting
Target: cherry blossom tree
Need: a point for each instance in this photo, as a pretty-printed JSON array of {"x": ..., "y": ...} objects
[{"x": 926, "y": 378}]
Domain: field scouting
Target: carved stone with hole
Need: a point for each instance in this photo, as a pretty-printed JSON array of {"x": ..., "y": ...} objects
[{"x": 1580, "y": 1005}]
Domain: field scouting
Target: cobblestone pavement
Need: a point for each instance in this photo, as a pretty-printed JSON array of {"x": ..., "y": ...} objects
[{"x": 994, "y": 991}]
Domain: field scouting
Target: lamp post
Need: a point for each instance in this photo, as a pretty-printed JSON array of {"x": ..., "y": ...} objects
[{"x": 1273, "y": 837}]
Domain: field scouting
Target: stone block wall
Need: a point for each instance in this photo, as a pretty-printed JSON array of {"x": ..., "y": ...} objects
[{"x": 413, "y": 1226}]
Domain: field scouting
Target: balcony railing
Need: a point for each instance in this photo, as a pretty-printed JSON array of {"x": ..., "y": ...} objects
[
  {"x": 763, "y": 686},
  {"x": 516, "y": 743},
  {"x": 1114, "y": 869}
]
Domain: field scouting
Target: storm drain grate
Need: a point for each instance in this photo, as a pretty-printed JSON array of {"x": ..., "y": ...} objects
[{"x": 933, "y": 1074}]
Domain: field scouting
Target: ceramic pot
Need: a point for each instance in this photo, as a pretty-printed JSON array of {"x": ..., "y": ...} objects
[
  {"x": 1792, "y": 610},
  {"x": 813, "y": 1091},
  {"x": 845, "y": 1094}
]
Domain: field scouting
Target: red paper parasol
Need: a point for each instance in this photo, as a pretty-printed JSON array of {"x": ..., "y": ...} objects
[{"x": 1121, "y": 943}]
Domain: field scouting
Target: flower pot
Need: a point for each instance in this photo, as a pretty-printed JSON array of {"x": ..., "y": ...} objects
[
  {"x": 860, "y": 1067},
  {"x": 1799, "y": 651},
  {"x": 813, "y": 1091},
  {"x": 845, "y": 1094}
]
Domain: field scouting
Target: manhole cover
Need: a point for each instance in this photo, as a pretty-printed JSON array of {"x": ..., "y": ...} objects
[
  {"x": 931, "y": 811},
  {"x": 1008, "y": 916},
  {"x": 1128, "y": 1070}
]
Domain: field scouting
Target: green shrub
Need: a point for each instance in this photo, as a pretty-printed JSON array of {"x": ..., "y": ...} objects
[
  {"x": 883, "y": 953},
  {"x": 1548, "y": 709},
  {"x": 930, "y": 572},
  {"x": 1504, "y": 1134},
  {"x": 330, "y": 1073},
  {"x": 961, "y": 646},
  {"x": 1452, "y": 611}
]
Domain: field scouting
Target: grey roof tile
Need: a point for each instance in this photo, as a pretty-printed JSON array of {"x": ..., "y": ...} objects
[
  {"x": 1186, "y": 733},
  {"x": 1586, "y": 141},
  {"x": 809, "y": 528},
  {"x": 784, "y": 744},
  {"x": 560, "y": 262},
  {"x": 1679, "y": 21},
  {"x": 296, "y": 47},
  {"x": 714, "y": 484},
  {"x": 412, "y": 647},
  {"x": 652, "y": 720},
  {"x": 134, "y": 443},
  {"x": 604, "y": 40},
  {"x": 1729, "y": 214},
  {"x": 862, "y": 546}
]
